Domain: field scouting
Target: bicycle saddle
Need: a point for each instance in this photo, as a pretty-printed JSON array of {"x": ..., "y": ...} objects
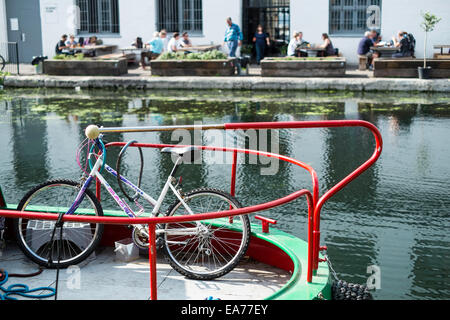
[{"x": 179, "y": 150}]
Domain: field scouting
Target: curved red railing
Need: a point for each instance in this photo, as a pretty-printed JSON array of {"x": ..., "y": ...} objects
[{"x": 315, "y": 203}]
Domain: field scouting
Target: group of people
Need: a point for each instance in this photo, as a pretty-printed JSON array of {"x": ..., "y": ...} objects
[
  {"x": 299, "y": 48},
  {"x": 68, "y": 45},
  {"x": 160, "y": 44},
  {"x": 404, "y": 42}
]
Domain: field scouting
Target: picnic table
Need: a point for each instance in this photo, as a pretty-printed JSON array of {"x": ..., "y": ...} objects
[
  {"x": 441, "y": 47},
  {"x": 315, "y": 50},
  {"x": 386, "y": 52},
  {"x": 201, "y": 48},
  {"x": 97, "y": 49},
  {"x": 134, "y": 49}
]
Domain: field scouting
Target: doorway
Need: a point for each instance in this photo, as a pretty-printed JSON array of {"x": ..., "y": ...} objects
[
  {"x": 273, "y": 15},
  {"x": 24, "y": 27}
]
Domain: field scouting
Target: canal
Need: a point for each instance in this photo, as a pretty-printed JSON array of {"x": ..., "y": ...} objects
[{"x": 395, "y": 216}]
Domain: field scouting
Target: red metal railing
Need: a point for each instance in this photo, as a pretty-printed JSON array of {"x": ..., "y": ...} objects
[{"x": 315, "y": 203}]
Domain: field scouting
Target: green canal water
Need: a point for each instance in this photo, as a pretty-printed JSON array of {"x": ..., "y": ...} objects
[{"x": 395, "y": 216}]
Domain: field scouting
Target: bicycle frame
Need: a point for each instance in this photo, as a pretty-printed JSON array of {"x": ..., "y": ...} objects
[{"x": 95, "y": 173}]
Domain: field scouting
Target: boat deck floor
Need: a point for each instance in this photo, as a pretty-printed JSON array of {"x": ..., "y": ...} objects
[{"x": 103, "y": 278}]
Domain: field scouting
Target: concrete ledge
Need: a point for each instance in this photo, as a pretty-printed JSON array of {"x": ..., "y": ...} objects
[{"x": 230, "y": 83}]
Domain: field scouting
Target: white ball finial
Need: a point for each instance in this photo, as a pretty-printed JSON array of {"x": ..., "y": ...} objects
[{"x": 92, "y": 132}]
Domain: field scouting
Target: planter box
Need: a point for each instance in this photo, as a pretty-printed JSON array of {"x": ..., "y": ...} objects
[
  {"x": 407, "y": 68},
  {"x": 193, "y": 67},
  {"x": 303, "y": 67},
  {"x": 87, "y": 67}
]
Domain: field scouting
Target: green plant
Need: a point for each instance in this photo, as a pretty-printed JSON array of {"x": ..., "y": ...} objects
[
  {"x": 283, "y": 49},
  {"x": 428, "y": 24},
  {"x": 247, "y": 49},
  {"x": 77, "y": 56},
  {"x": 301, "y": 58},
  {"x": 209, "y": 55},
  {"x": 3, "y": 74}
]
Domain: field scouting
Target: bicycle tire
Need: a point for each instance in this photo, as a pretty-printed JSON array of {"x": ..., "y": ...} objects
[
  {"x": 2, "y": 63},
  {"x": 215, "y": 227},
  {"x": 83, "y": 232}
]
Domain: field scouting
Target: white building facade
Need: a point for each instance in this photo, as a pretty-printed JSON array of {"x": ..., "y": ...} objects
[{"x": 121, "y": 21}]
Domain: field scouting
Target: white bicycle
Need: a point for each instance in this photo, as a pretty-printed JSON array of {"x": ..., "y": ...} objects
[{"x": 201, "y": 250}]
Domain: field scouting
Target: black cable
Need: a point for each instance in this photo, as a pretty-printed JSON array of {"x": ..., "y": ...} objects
[
  {"x": 59, "y": 261},
  {"x": 59, "y": 224}
]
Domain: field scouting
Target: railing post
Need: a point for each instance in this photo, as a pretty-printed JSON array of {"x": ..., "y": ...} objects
[
  {"x": 152, "y": 261},
  {"x": 17, "y": 57},
  {"x": 310, "y": 240},
  {"x": 233, "y": 179}
]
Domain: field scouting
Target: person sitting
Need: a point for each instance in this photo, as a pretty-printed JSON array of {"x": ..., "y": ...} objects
[
  {"x": 328, "y": 46},
  {"x": 163, "y": 36},
  {"x": 61, "y": 46},
  {"x": 92, "y": 41},
  {"x": 405, "y": 43},
  {"x": 72, "y": 43},
  {"x": 155, "y": 47},
  {"x": 81, "y": 41},
  {"x": 138, "y": 44},
  {"x": 369, "y": 40},
  {"x": 302, "y": 44},
  {"x": 293, "y": 44},
  {"x": 174, "y": 43},
  {"x": 185, "y": 41}
]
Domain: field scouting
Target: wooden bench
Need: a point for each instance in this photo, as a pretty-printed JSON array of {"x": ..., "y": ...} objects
[
  {"x": 407, "y": 68},
  {"x": 362, "y": 63},
  {"x": 441, "y": 56}
]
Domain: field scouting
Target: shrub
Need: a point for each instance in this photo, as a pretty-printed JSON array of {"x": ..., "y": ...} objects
[
  {"x": 209, "y": 55},
  {"x": 77, "y": 56}
]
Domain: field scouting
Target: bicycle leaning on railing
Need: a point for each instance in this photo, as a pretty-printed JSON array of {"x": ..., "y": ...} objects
[{"x": 199, "y": 250}]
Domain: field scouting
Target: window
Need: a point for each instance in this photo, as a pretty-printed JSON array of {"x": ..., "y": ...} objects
[
  {"x": 180, "y": 15},
  {"x": 350, "y": 16},
  {"x": 98, "y": 16}
]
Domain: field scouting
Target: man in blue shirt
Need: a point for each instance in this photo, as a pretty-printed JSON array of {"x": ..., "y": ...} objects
[
  {"x": 364, "y": 48},
  {"x": 233, "y": 37}
]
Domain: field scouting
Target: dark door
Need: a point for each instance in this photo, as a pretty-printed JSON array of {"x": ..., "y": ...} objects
[
  {"x": 273, "y": 15},
  {"x": 24, "y": 27}
]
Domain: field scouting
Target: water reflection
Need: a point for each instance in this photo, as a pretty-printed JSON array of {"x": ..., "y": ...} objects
[{"x": 395, "y": 215}]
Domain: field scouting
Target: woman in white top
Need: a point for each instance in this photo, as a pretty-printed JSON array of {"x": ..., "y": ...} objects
[
  {"x": 174, "y": 43},
  {"x": 293, "y": 44}
]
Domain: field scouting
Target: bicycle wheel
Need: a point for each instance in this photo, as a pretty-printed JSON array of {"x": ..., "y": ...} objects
[
  {"x": 79, "y": 239},
  {"x": 211, "y": 248},
  {"x": 2, "y": 63}
]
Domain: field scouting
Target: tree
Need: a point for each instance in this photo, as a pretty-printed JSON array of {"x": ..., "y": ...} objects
[{"x": 428, "y": 24}]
